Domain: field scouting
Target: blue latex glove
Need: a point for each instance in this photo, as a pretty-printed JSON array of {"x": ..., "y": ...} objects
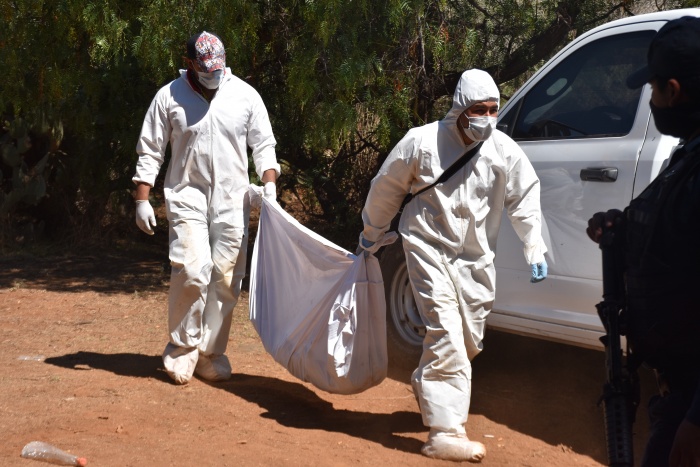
[
  {"x": 364, "y": 243},
  {"x": 539, "y": 272}
]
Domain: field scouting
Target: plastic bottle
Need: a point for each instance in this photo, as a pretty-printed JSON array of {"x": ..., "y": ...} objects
[{"x": 46, "y": 452}]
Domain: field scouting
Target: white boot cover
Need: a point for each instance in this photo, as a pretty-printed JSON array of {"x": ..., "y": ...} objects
[
  {"x": 213, "y": 367},
  {"x": 453, "y": 447},
  {"x": 180, "y": 362}
]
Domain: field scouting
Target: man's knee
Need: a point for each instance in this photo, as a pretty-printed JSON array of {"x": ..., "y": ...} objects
[{"x": 192, "y": 275}]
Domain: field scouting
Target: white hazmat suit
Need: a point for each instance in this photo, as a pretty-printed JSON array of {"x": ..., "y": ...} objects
[
  {"x": 449, "y": 237},
  {"x": 207, "y": 205}
]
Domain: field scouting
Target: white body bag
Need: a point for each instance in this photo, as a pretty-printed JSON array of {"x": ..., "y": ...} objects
[{"x": 319, "y": 309}]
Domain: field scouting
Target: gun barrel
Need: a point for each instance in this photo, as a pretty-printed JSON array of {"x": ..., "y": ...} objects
[
  {"x": 618, "y": 429},
  {"x": 618, "y": 392}
]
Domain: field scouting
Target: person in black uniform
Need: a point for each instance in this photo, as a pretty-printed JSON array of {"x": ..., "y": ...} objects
[{"x": 662, "y": 250}]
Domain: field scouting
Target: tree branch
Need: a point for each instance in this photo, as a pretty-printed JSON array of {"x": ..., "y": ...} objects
[
  {"x": 479, "y": 8},
  {"x": 606, "y": 15},
  {"x": 538, "y": 47}
]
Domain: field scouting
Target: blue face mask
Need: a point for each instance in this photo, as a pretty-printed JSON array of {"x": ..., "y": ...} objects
[{"x": 211, "y": 80}]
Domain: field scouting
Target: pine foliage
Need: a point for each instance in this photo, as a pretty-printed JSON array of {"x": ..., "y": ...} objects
[{"x": 342, "y": 80}]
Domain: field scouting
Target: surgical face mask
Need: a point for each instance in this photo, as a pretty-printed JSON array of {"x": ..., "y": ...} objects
[
  {"x": 480, "y": 128},
  {"x": 680, "y": 121},
  {"x": 211, "y": 80}
]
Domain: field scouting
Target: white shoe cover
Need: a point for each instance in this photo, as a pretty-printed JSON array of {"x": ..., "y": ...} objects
[
  {"x": 453, "y": 447},
  {"x": 180, "y": 362},
  {"x": 213, "y": 367}
]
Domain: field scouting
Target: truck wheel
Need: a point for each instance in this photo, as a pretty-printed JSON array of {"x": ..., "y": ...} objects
[{"x": 405, "y": 329}]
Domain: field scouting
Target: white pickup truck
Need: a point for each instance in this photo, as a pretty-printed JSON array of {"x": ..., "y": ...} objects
[{"x": 594, "y": 146}]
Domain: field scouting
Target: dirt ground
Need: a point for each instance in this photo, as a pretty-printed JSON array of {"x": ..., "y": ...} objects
[{"x": 81, "y": 342}]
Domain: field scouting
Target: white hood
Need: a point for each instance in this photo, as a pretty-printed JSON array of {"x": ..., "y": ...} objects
[{"x": 473, "y": 86}]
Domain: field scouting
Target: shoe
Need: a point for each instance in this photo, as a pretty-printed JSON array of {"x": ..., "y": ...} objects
[
  {"x": 180, "y": 362},
  {"x": 453, "y": 447},
  {"x": 213, "y": 367}
]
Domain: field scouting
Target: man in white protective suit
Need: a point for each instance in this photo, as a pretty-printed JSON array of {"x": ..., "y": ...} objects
[
  {"x": 210, "y": 117},
  {"x": 449, "y": 237}
]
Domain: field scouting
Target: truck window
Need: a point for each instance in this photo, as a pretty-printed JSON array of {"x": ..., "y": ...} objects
[{"x": 585, "y": 95}]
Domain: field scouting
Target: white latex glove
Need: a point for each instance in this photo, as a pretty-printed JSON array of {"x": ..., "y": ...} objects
[
  {"x": 270, "y": 191},
  {"x": 145, "y": 217},
  {"x": 255, "y": 194}
]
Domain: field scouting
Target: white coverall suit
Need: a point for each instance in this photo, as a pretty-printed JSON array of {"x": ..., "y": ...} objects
[
  {"x": 206, "y": 198},
  {"x": 449, "y": 237}
]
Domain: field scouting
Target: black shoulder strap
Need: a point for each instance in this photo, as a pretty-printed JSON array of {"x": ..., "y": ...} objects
[{"x": 451, "y": 170}]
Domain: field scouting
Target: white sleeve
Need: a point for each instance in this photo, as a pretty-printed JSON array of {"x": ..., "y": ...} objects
[
  {"x": 154, "y": 138},
  {"x": 523, "y": 203},
  {"x": 261, "y": 139},
  {"x": 388, "y": 189}
]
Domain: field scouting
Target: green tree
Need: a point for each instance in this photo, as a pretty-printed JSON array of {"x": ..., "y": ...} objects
[{"x": 343, "y": 81}]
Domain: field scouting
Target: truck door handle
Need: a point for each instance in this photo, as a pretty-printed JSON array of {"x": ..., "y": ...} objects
[{"x": 599, "y": 174}]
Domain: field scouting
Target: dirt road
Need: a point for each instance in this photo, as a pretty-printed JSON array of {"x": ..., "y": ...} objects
[{"x": 81, "y": 344}]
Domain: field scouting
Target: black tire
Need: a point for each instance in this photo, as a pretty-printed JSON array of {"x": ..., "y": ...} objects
[{"x": 405, "y": 329}]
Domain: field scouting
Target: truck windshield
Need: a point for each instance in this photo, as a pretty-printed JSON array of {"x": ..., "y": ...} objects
[{"x": 585, "y": 95}]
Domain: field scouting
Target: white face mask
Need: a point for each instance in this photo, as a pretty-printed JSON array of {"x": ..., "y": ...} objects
[
  {"x": 480, "y": 128},
  {"x": 211, "y": 80}
]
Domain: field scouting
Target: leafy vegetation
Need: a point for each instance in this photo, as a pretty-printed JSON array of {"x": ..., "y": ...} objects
[{"x": 343, "y": 81}]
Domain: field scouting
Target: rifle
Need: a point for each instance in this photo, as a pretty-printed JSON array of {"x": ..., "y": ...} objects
[{"x": 621, "y": 388}]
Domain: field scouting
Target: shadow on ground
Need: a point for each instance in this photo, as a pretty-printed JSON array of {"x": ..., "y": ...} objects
[
  {"x": 295, "y": 406},
  {"x": 104, "y": 272},
  {"x": 546, "y": 390},
  {"x": 289, "y": 404},
  {"x": 122, "y": 364},
  {"x": 142, "y": 268}
]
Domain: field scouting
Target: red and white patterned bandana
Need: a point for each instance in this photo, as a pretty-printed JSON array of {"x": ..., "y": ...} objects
[{"x": 210, "y": 52}]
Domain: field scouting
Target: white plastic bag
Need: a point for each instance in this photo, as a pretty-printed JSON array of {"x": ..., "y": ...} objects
[{"x": 319, "y": 309}]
